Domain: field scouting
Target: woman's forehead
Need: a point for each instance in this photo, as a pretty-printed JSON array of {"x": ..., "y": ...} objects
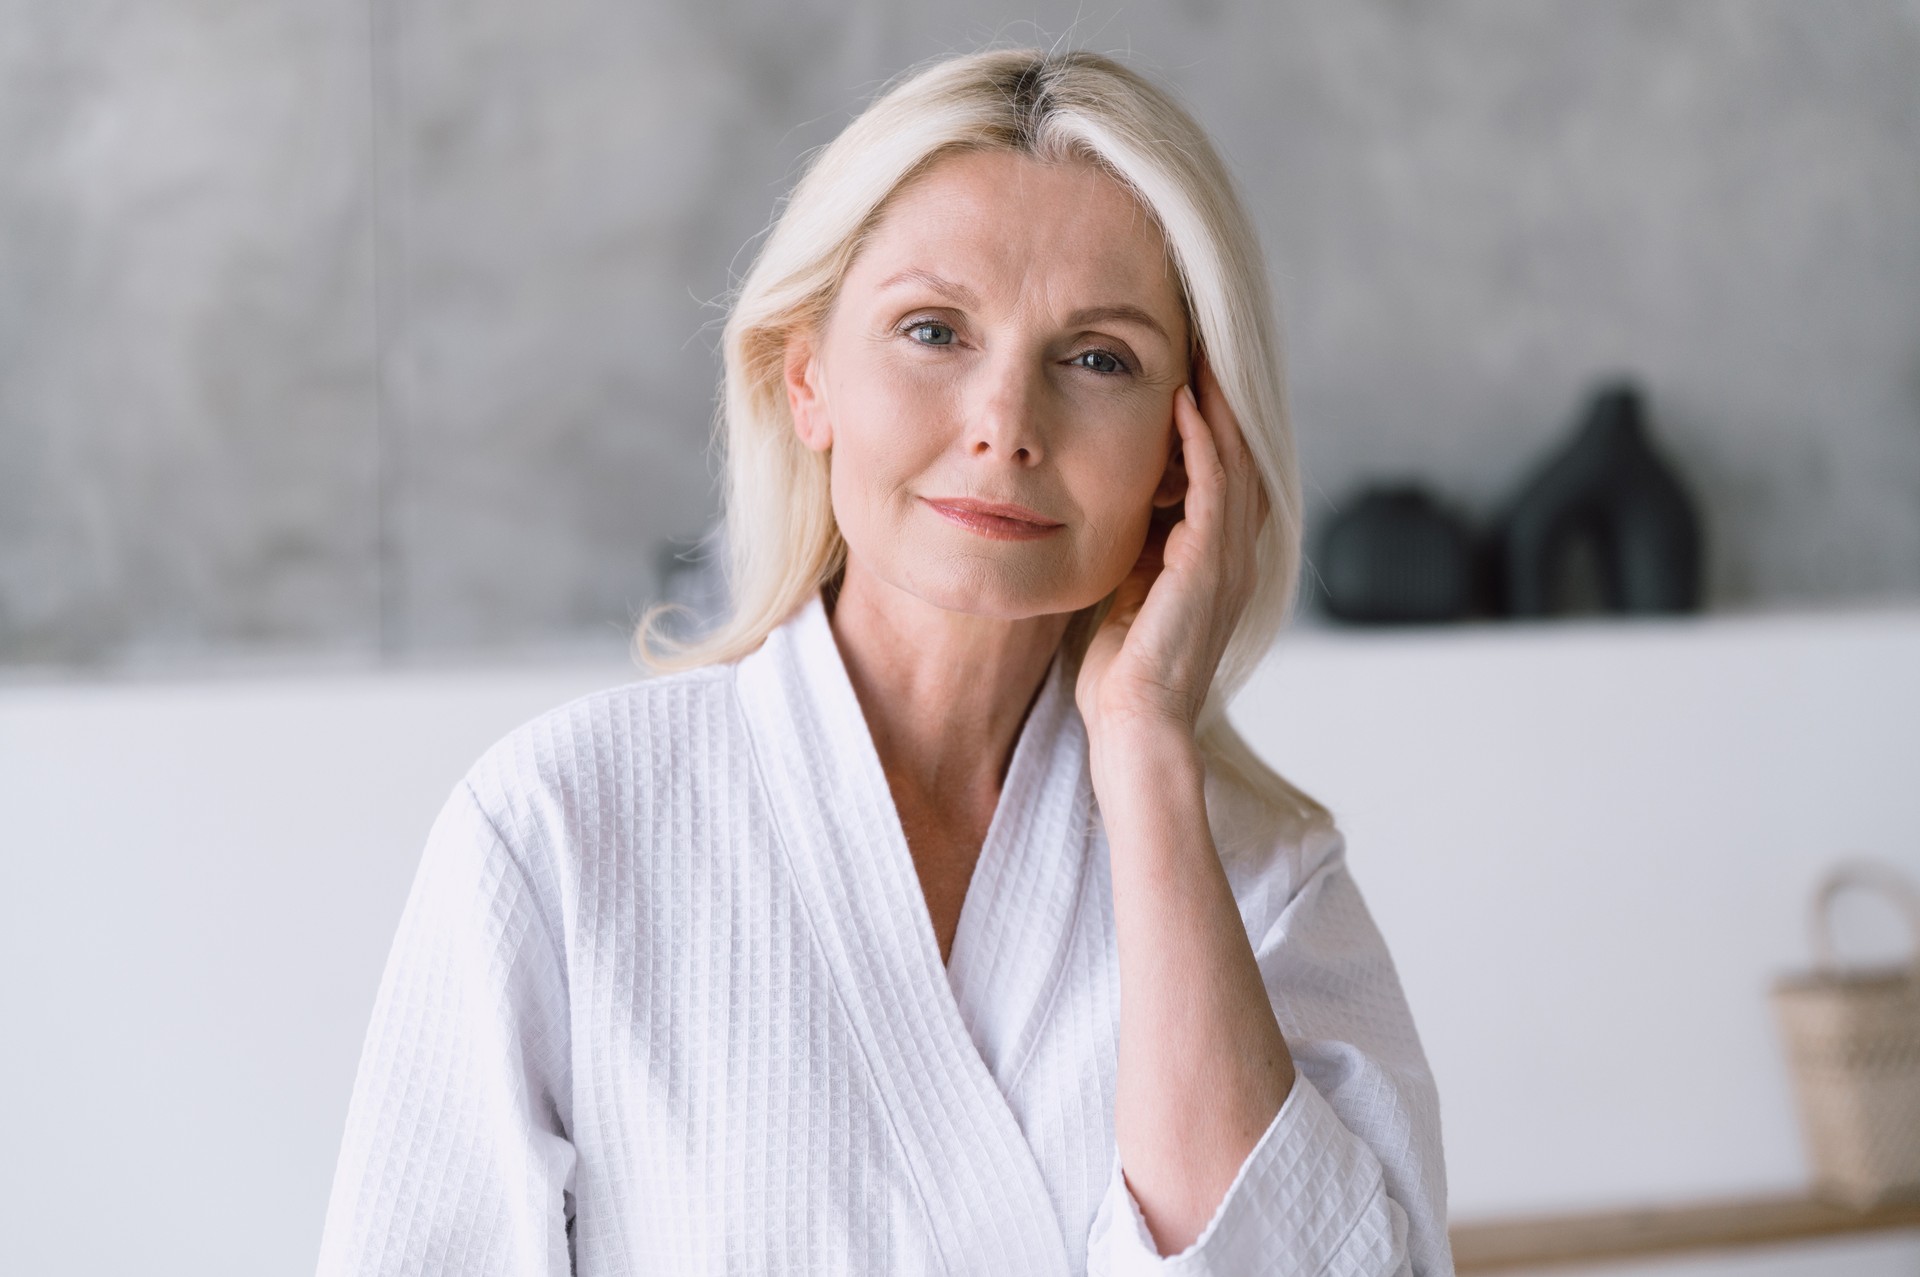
[{"x": 993, "y": 222}]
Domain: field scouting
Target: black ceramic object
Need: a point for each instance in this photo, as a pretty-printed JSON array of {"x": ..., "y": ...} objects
[
  {"x": 1607, "y": 485},
  {"x": 1394, "y": 556}
]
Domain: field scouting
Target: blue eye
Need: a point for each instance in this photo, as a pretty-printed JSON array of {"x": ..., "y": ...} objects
[
  {"x": 1110, "y": 365},
  {"x": 925, "y": 324}
]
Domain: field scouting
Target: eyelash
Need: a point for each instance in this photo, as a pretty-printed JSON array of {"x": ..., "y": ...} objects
[{"x": 1123, "y": 370}]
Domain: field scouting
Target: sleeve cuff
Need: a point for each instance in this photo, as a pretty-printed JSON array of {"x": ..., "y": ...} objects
[{"x": 1310, "y": 1192}]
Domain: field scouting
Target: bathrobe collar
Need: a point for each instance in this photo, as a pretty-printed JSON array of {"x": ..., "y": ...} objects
[{"x": 945, "y": 1043}]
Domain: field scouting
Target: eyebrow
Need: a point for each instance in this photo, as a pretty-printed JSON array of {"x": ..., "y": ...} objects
[{"x": 1120, "y": 311}]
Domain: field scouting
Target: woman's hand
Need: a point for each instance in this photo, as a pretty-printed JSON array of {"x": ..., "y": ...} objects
[
  {"x": 1203, "y": 1065},
  {"x": 1153, "y": 659}
]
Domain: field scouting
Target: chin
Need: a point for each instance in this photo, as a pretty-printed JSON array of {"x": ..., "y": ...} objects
[{"x": 982, "y": 586}]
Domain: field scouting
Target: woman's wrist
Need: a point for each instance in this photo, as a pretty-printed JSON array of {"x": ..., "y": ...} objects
[{"x": 1143, "y": 758}]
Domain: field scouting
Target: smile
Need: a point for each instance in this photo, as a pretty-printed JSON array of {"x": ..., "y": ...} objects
[{"x": 995, "y": 522}]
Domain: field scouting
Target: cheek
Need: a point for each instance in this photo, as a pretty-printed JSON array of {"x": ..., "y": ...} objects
[
  {"x": 1120, "y": 466},
  {"x": 1114, "y": 477},
  {"x": 888, "y": 433}
]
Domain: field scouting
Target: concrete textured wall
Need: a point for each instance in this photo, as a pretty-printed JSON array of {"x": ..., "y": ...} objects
[{"x": 387, "y": 328}]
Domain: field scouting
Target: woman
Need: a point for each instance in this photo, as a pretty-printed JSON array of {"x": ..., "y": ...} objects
[{"x": 928, "y": 916}]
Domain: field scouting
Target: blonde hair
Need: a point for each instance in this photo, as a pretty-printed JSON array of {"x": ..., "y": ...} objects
[{"x": 783, "y": 543}]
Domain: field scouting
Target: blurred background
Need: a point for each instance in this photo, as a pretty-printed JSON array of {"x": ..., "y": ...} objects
[{"x": 357, "y": 368}]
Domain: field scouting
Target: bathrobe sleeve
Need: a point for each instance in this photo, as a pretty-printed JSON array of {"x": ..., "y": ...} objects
[
  {"x": 1347, "y": 1180},
  {"x": 456, "y": 1157}
]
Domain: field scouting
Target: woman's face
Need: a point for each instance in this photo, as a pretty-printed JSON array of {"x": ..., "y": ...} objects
[{"x": 1011, "y": 335}]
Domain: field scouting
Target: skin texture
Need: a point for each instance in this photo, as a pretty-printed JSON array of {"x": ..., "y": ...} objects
[{"x": 981, "y": 346}]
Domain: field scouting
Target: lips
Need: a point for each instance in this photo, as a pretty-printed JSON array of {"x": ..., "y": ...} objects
[{"x": 995, "y": 520}]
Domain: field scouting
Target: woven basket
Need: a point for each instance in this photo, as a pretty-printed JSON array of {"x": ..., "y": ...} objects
[{"x": 1853, "y": 1044}]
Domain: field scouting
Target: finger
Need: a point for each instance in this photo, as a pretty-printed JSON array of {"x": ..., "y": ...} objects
[
  {"x": 1238, "y": 507},
  {"x": 1235, "y": 454},
  {"x": 1213, "y": 405},
  {"x": 1206, "y": 475}
]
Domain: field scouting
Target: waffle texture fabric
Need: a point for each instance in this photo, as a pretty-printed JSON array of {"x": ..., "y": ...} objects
[{"x": 665, "y": 998}]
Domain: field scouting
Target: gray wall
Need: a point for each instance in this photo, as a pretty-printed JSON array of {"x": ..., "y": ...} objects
[{"x": 387, "y": 328}]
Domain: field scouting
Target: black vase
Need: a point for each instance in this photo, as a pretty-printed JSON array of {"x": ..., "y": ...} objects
[
  {"x": 1394, "y": 556},
  {"x": 1609, "y": 488}
]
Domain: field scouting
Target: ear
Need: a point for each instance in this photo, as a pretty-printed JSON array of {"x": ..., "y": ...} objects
[
  {"x": 1173, "y": 480},
  {"x": 804, "y": 395}
]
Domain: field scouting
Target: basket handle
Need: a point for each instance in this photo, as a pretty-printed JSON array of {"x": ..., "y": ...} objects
[{"x": 1875, "y": 875}]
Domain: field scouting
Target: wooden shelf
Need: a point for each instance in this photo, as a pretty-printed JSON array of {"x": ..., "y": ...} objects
[{"x": 1492, "y": 1246}]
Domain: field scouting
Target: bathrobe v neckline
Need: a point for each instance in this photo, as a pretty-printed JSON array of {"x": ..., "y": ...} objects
[{"x": 945, "y": 1043}]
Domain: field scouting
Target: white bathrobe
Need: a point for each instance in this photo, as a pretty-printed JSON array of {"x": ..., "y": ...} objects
[{"x": 666, "y": 999}]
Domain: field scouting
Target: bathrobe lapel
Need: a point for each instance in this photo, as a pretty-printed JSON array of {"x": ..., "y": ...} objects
[
  {"x": 940, "y": 1075},
  {"x": 1010, "y": 949}
]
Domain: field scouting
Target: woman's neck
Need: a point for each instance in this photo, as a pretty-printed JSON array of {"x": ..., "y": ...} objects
[{"x": 944, "y": 693}]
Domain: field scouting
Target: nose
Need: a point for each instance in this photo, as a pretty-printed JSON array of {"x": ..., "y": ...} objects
[{"x": 1007, "y": 420}]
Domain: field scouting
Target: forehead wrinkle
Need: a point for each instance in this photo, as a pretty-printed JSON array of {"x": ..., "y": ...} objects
[
  {"x": 933, "y": 280},
  {"x": 975, "y": 217}
]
